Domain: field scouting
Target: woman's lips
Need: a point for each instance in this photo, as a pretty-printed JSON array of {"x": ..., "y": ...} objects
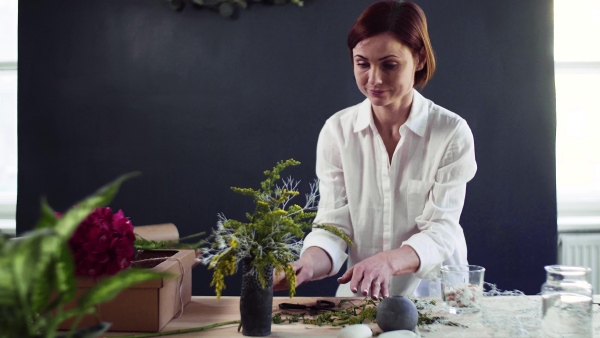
[{"x": 376, "y": 92}]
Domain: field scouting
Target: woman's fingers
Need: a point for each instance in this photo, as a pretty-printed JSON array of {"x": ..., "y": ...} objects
[
  {"x": 369, "y": 277},
  {"x": 385, "y": 292},
  {"x": 354, "y": 276},
  {"x": 358, "y": 282},
  {"x": 303, "y": 276},
  {"x": 346, "y": 277},
  {"x": 280, "y": 281},
  {"x": 375, "y": 290}
]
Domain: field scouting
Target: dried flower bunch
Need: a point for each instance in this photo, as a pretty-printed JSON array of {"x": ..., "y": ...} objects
[
  {"x": 272, "y": 236},
  {"x": 228, "y": 8}
]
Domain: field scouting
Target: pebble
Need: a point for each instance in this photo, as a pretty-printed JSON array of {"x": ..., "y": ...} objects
[{"x": 355, "y": 331}]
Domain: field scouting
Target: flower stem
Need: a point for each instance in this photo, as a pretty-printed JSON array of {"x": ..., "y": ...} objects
[{"x": 194, "y": 329}]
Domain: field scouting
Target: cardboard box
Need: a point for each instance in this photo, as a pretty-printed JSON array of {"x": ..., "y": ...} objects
[{"x": 147, "y": 306}]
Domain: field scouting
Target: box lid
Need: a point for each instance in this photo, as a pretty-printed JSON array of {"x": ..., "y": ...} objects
[{"x": 171, "y": 264}]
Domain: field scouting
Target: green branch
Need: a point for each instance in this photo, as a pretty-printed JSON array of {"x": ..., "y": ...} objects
[{"x": 173, "y": 332}]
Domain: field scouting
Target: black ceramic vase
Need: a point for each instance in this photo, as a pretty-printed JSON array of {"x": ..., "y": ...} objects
[{"x": 256, "y": 302}]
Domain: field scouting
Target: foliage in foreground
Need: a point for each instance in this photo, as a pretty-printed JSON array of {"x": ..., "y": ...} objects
[{"x": 38, "y": 275}]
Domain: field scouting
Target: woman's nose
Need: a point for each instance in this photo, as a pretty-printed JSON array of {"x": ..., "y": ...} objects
[{"x": 374, "y": 76}]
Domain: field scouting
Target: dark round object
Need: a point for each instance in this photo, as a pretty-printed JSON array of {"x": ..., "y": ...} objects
[{"x": 397, "y": 313}]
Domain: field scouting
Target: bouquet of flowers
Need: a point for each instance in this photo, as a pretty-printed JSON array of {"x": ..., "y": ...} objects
[{"x": 272, "y": 235}]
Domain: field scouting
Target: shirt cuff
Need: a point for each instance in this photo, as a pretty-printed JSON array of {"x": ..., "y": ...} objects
[
  {"x": 428, "y": 254},
  {"x": 331, "y": 243}
]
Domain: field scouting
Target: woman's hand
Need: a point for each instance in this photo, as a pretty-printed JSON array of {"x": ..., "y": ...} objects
[
  {"x": 314, "y": 264},
  {"x": 304, "y": 273},
  {"x": 372, "y": 275}
]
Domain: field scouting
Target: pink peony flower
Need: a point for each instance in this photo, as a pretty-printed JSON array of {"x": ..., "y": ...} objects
[{"x": 103, "y": 243}]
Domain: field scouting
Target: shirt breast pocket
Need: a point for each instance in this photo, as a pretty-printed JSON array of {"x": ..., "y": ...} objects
[{"x": 416, "y": 197}]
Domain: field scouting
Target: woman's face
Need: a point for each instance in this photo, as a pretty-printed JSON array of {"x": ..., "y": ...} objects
[{"x": 384, "y": 70}]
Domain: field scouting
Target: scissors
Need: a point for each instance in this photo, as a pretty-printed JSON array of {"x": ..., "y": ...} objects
[{"x": 321, "y": 305}]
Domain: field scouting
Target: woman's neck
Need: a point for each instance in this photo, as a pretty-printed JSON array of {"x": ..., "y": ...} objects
[{"x": 388, "y": 119}]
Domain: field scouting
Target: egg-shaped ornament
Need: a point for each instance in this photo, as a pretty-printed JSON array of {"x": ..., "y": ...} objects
[
  {"x": 355, "y": 331},
  {"x": 398, "y": 334},
  {"x": 397, "y": 313}
]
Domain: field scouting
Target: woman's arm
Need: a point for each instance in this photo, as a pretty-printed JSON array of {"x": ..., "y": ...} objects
[
  {"x": 440, "y": 232},
  {"x": 324, "y": 253}
]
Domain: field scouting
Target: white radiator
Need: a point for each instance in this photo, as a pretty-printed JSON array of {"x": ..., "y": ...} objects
[{"x": 581, "y": 249}]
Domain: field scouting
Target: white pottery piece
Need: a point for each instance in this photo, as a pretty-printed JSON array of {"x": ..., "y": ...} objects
[
  {"x": 355, "y": 331},
  {"x": 398, "y": 334}
]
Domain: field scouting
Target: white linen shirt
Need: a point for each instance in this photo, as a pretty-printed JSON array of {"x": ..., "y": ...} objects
[{"x": 415, "y": 200}]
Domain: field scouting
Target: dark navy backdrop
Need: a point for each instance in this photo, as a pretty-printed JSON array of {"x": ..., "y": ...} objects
[{"x": 199, "y": 103}]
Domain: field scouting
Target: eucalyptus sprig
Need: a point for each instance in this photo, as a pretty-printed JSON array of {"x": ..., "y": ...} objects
[
  {"x": 347, "y": 313},
  {"x": 145, "y": 244},
  {"x": 272, "y": 235},
  {"x": 350, "y": 312},
  {"x": 228, "y": 8}
]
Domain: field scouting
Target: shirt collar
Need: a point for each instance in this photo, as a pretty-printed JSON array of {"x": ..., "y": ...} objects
[{"x": 417, "y": 118}]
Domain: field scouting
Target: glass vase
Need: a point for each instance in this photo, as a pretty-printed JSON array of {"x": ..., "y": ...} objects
[{"x": 567, "y": 302}]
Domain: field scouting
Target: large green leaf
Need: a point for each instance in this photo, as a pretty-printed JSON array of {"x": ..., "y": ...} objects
[
  {"x": 109, "y": 288},
  {"x": 64, "y": 274},
  {"x": 7, "y": 287},
  {"x": 62, "y": 278},
  {"x": 66, "y": 225},
  {"x": 25, "y": 269},
  {"x": 42, "y": 285},
  {"x": 64, "y": 315}
]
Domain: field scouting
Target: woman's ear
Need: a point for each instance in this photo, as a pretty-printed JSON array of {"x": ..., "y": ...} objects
[{"x": 422, "y": 59}]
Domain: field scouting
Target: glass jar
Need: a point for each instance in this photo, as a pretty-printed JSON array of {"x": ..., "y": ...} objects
[{"x": 567, "y": 302}]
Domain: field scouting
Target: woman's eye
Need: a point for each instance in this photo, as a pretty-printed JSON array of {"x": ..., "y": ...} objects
[
  {"x": 389, "y": 65},
  {"x": 362, "y": 65}
]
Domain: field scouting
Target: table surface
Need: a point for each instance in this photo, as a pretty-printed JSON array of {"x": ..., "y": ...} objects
[{"x": 502, "y": 316}]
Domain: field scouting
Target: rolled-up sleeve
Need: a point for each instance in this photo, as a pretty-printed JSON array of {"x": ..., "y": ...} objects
[
  {"x": 333, "y": 208},
  {"x": 438, "y": 224}
]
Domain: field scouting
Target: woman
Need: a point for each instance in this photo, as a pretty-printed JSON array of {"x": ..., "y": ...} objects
[{"x": 393, "y": 169}]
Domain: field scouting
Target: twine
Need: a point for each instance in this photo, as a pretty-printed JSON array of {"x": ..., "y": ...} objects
[{"x": 181, "y": 270}]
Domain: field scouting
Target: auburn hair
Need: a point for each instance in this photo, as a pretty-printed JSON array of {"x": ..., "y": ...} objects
[{"x": 406, "y": 21}]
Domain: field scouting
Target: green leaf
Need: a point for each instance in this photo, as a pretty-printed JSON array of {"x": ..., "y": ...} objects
[
  {"x": 110, "y": 287},
  {"x": 7, "y": 286},
  {"x": 48, "y": 216},
  {"x": 27, "y": 262},
  {"x": 62, "y": 277},
  {"x": 66, "y": 225},
  {"x": 42, "y": 285}
]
